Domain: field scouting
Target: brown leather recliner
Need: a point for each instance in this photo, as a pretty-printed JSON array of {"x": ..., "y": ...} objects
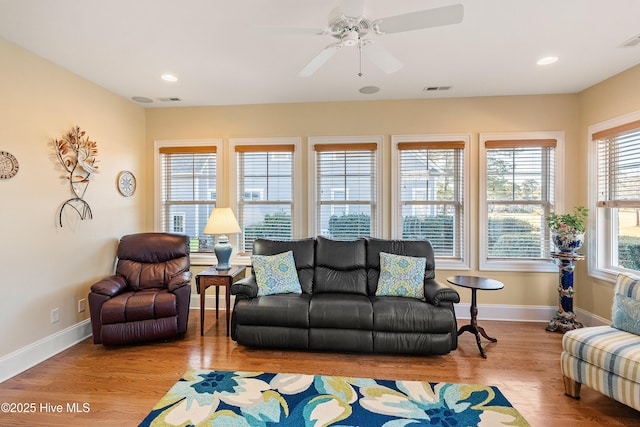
[{"x": 148, "y": 297}]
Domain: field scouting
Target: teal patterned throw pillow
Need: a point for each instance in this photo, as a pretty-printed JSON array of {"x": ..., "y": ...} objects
[
  {"x": 401, "y": 276},
  {"x": 626, "y": 314},
  {"x": 276, "y": 274}
]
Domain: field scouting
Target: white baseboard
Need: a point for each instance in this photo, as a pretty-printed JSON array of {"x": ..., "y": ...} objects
[
  {"x": 525, "y": 313},
  {"x": 508, "y": 313},
  {"x": 590, "y": 319},
  {"x": 209, "y": 302},
  {"x": 29, "y": 356}
]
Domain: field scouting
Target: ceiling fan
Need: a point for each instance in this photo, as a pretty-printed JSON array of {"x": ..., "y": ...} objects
[{"x": 349, "y": 25}]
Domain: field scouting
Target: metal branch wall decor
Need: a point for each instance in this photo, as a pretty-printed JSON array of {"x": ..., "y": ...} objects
[{"x": 78, "y": 156}]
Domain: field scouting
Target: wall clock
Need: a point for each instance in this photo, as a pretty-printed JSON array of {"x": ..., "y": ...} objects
[
  {"x": 126, "y": 183},
  {"x": 8, "y": 165}
]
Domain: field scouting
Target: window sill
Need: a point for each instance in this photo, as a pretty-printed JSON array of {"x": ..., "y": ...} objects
[
  {"x": 524, "y": 266},
  {"x": 210, "y": 259},
  {"x": 608, "y": 275}
]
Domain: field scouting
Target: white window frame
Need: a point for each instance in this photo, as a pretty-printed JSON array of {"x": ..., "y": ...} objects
[
  {"x": 602, "y": 227},
  {"x": 232, "y": 182},
  {"x": 396, "y": 213},
  {"x": 558, "y": 198},
  {"x": 342, "y": 140},
  {"x": 418, "y": 209},
  {"x": 345, "y": 207},
  {"x": 199, "y": 258}
]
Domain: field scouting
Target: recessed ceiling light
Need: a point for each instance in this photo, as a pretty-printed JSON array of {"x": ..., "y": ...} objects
[
  {"x": 169, "y": 78},
  {"x": 547, "y": 60},
  {"x": 369, "y": 90}
]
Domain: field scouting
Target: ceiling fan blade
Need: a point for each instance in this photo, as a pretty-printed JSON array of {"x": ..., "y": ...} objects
[
  {"x": 352, "y": 8},
  {"x": 292, "y": 30},
  {"x": 380, "y": 57},
  {"x": 446, "y": 15},
  {"x": 320, "y": 59}
]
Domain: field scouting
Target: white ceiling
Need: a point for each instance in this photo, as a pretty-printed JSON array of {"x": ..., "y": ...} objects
[{"x": 223, "y": 54}]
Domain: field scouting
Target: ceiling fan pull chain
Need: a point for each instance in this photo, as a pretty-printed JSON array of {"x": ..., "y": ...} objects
[{"x": 360, "y": 57}]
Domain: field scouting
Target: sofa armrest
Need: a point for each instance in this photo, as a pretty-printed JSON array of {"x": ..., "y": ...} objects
[
  {"x": 109, "y": 286},
  {"x": 179, "y": 280},
  {"x": 247, "y": 287},
  {"x": 436, "y": 293}
]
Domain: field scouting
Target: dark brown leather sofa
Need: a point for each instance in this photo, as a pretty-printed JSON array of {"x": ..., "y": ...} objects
[{"x": 147, "y": 298}]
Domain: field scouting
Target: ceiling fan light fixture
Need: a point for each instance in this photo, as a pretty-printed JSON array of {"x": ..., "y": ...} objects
[{"x": 350, "y": 37}]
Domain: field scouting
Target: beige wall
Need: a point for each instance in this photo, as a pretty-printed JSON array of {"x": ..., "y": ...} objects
[
  {"x": 43, "y": 266},
  {"x": 462, "y": 115},
  {"x": 612, "y": 98}
]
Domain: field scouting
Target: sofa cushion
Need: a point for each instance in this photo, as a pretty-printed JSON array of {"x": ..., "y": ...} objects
[
  {"x": 340, "y": 266},
  {"x": 341, "y": 311},
  {"x": 286, "y": 310},
  {"x": 397, "y": 314},
  {"x": 628, "y": 285},
  {"x": 625, "y": 312},
  {"x": 414, "y": 248},
  {"x": 401, "y": 276},
  {"x": 137, "y": 306},
  {"x": 303, "y": 254},
  {"x": 608, "y": 348},
  {"x": 276, "y": 274},
  {"x": 147, "y": 268}
]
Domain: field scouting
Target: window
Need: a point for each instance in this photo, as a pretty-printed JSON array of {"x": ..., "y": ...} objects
[
  {"x": 518, "y": 191},
  {"x": 186, "y": 173},
  {"x": 266, "y": 189},
  {"x": 429, "y": 190},
  {"x": 615, "y": 197},
  {"x": 345, "y": 193}
]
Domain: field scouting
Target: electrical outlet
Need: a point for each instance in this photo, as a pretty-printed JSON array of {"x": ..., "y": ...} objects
[
  {"x": 55, "y": 315},
  {"x": 82, "y": 305}
]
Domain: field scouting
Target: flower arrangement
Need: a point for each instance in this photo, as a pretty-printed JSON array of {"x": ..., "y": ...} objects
[{"x": 570, "y": 222}]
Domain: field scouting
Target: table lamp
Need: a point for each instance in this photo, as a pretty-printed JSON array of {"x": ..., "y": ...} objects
[{"x": 222, "y": 221}]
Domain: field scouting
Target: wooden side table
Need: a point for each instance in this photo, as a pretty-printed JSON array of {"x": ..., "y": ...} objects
[
  {"x": 475, "y": 283},
  {"x": 218, "y": 278}
]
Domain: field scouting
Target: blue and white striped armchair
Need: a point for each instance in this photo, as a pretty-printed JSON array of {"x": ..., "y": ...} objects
[{"x": 607, "y": 358}]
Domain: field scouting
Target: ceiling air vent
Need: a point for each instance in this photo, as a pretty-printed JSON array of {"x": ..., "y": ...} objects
[
  {"x": 633, "y": 41},
  {"x": 169, "y": 99}
]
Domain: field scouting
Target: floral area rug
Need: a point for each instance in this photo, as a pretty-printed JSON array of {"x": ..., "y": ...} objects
[{"x": 235, "y": 399}]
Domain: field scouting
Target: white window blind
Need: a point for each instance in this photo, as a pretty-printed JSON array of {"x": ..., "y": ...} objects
[
  {"x": 346, "y": 190},
  {"x": 618, "y": 198},
  {"x": 619, "y": 166},
  {"x": 520, "y": 193},
  {"x": 188, "y": 192},
  {"x": 431, "y": 194},
  {"x": 265, "y": 192}
]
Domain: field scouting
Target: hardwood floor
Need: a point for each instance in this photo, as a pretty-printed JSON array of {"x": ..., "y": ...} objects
[{"x": 119, "y": 386}]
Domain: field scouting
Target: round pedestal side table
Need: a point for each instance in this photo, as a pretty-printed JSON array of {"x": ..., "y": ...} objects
[
  {"x": 474, "y": 283},
  {"x": 565, "y": 319}
]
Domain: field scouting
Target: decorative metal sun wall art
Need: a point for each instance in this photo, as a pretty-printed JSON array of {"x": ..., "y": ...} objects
[{"x": 78, "y": 156}]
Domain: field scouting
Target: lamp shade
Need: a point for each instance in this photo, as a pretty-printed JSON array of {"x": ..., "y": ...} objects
[{"x": 222, "y": 221}]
